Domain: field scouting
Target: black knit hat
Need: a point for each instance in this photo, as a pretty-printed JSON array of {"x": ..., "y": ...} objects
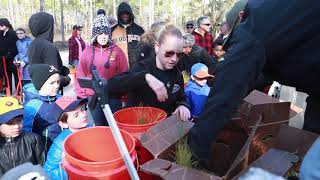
[
  {"x": 5, "y": 21},
  {"x": 40, "y": 73}
]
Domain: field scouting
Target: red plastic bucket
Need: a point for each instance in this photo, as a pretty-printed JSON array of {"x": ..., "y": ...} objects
[
  {"x": 129, "y": 119},
  {"x": 136, "y": 120},
  {"x": 92, "y": 153}
]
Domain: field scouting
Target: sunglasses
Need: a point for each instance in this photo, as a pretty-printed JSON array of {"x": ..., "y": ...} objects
[
  {"x": 172, "y": 53},
  {"x": 189, "y": 27},
  {"x": 207, "y": 24}
]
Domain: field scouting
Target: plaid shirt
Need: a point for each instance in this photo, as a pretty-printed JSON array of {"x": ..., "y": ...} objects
[{"x": 205, "y": 41}]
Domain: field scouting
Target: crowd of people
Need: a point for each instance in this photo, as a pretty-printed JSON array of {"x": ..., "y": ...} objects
[{"x": 145, "y": 68}]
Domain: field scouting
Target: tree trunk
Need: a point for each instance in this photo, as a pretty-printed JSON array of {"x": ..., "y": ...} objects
[
  {"x": 42, "y": 5},
  {"x": 91, "y": 14},
  {"x": 62, "y": 22},
  {"x": 55, "y": 13},
  {"x": 114, "y": 8},
  {"x": 203, "y": 7}
]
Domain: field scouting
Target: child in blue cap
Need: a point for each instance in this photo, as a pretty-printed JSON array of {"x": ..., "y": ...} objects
[{"x": 197, "y": 90}]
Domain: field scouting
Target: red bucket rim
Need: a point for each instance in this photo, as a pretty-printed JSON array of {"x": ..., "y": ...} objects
[
  {"x": 139, "y": 125},
  {"x": 101, "y": 162}
]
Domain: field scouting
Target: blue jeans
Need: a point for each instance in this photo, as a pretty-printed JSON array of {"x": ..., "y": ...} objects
[{"x": 98, "y": 116}]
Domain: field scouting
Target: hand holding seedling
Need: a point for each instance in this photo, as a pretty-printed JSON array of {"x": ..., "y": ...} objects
[
  {"x": 183, "y": 112},
  {"x": 158, "y": 87}
]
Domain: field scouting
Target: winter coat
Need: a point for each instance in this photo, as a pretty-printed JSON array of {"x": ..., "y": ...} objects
[
  {"x": 267, "y": 40},
  {"x": 74, "y": 48},
  {"x": 127, "y": 38},
  {"x": 196, "y": 97},
  {"x": 38, "y": 117},
  {"x": 22, "y": 46},
  {"x": 27, "y": 147},
  {"x": 117, "y": 61},
  {"x": 53, "y": 164},
  {"x": 8, "y": 46},
  {"x": 140, "y": 92}
]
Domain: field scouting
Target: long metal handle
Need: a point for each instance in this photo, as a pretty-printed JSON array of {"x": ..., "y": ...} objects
[{"x": 120, "y": 143}]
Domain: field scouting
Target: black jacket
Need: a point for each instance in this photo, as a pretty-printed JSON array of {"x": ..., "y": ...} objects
[
  {"x": 42, "y": 50},
  {"x": 139, "y": 91},
  {"x": 279, "y": 40},
  {"x": 197, "y": 55},
  {"x": 8, "y": 46},
  {"x": 27, "y": 147},
  {"x": 133, "y": 32}
]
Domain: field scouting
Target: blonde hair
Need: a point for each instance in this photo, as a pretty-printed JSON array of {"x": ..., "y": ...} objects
[
  {"x": 149, "y": 37},
  {"x": 168, "y": 30}
]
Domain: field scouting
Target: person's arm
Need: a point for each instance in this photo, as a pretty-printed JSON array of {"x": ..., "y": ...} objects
[
  {"x": 12, "y": 48},
  {"x": 71, "y": 49},
  {"x": 182, "y": 109},
  {"x": 39, "y": 151},
  {"x": 135, "y": 78},
  {"x": 128, "y": 81},
  {"x": 53, "y": 165},
  {"x": 244, "y": 62},
  {"x": 83, "y": 71}
]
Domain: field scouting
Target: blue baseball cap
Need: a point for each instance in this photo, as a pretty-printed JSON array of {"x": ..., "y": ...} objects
[{"x": 200, "y": 70}]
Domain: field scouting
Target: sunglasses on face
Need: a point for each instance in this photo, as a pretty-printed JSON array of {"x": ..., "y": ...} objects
[
  {"x": 172, "y": 53},
  {"x": 189, "y": 27}
]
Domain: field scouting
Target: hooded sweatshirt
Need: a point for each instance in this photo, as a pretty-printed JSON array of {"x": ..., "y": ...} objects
[
  {"x": 128, "y": 36},
  {"x": 42, "y": 50}
]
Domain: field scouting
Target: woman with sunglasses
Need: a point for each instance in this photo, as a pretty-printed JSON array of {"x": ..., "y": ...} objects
[
  {"x": 107, "y": 58},
  {"x": 156, "y": 81}
]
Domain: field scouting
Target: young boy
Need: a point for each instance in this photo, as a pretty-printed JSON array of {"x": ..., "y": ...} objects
[
  {"x": 72, "y": 116},
  {"x": 15, "y": 147},
  {"x": 39, "y": 97},
  {"x": 197, "y": 90},
  {"x": 21, "y": 58},
  {"x": 218, "y": 52}
]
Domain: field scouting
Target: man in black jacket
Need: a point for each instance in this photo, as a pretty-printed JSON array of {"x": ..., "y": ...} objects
[
  {"x": 127, "y": 33},
  {"x": 42, "y": 50},
  {"x": 8, "y": 50},
  {"x": 274, "y": 38}
]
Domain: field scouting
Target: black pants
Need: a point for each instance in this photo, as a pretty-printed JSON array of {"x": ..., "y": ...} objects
[{"x": 312, "y": 115}]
